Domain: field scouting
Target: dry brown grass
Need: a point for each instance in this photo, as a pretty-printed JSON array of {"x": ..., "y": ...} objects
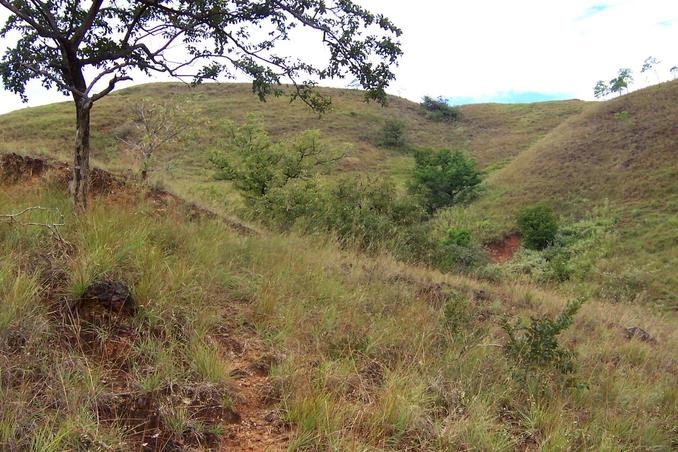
[
  {"x": 622, "y": 152},
  {"x": 367, "y": 353}
]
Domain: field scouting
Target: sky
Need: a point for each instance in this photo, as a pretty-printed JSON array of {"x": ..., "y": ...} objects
[{"x": 501, "y": 51}]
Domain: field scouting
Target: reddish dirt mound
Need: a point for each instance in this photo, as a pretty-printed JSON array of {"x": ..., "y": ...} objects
[
  {"x": 15, "y": 167},
  {"x": 503, "y": 250}
]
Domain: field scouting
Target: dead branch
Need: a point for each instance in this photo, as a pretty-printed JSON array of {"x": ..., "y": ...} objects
[{"x": 53, "y": 228}]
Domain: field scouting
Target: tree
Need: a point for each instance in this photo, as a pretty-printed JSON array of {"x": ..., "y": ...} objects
[
  {"x": 443, "y": 177},
  {"x": 85, "y": 49},
  {"x": 438, "y": 109},
  {"x": 538, "y": 226},
  {"x": 649, "y": 65},
  {"x": 601, "y": 89},
  {"x": 158, "y": 125},
  {"x": 622, "y": 81}
]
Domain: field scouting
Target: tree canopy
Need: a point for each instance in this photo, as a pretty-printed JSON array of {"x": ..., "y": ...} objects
[
  {"x": 84, "y": 49},
  {"x": 443, "y": 177}
]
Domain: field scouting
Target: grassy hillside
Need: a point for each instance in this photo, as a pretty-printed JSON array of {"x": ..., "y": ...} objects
[
  {"x": 248, "y": 343},
  {"x": 610, "y": 162},
  {"x": 622, "y": 154},
  {"x": 491, "y": 133}
]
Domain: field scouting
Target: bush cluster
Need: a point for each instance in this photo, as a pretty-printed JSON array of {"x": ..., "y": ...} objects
[
  {"x": 572, "y": 253},
  {"x": 443, "y": 178},
  {"x": 283, "y": 187},
  {"x": 535, "y": 346},
  {"x": 393, "y": 134},
  {"x": 538, "y": 226},
  {"x": 438, "y": 109}
]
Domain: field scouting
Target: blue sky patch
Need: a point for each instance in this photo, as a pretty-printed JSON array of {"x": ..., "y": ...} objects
[
  {"x": 509, "y": 97},
  {"x": 593, "y": 10}
]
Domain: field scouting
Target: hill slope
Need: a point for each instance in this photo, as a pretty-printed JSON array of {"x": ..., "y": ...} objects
[
  {"x": 279, "y": 342},
  {"x": 622, "y": 153},
  {"x": 619, "y": 155},
  {"x": 491, "y": 133}
]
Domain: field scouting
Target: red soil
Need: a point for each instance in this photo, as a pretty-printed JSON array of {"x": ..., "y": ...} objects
[{"x": 503, "y": 250}]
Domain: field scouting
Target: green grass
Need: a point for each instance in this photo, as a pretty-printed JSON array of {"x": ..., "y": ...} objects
[
  {"x": 595, "y": 159},
  {"x": 371, "y": 354},
  {"x": 488, "y": 132},
  {"x": 60, "y": 373},
  {"x": 576, "y": 155}
]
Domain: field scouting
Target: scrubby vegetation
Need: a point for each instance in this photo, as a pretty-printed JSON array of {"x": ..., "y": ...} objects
[
  {"x": 344, "y": 371},
  {"x": 328, "y": 324},
  {"x": 283, "y": 186},
  {"x": 538, "y": 226},
  {"x": 438, "y": 109},
  {"x": 443, "y": 178},
  {"x": 393, "y": 134}
]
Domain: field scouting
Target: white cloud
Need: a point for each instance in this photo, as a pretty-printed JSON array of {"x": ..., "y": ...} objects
[{"x": 484, "y": 47}]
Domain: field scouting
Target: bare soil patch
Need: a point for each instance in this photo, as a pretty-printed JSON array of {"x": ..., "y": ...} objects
[{"x": 503, "y": 250}]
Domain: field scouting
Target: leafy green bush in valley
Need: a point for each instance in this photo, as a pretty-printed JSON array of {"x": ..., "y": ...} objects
[
  {"x": 283, "y": 188},
  {"x": 573, "y": 253},
  {"x": 538, "y": 226},
  {"x": 368, "y": 211},
  {"x": 438, "y": 109},
  {"x": 457, "y": 252},
  {"x": 443, "y": 178}
]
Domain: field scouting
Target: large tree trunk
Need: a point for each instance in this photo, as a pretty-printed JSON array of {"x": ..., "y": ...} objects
[{"x": 80, "y": 183}]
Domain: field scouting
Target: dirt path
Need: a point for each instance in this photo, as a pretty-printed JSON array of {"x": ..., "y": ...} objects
[{"x": 260, "y": 427}]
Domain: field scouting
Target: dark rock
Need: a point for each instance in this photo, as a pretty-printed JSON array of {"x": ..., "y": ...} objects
[
  {"x": 107, "y": 295},
  {"x": 640, "y": 333}
]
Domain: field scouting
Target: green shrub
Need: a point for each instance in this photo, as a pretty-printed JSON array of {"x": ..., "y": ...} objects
[
  {"x": 393, "y": 134},
  {"x": 538, "y": 226},
  {"x": 457, "y": 252},
  {"x": 369, "y": 211},
  {"x": 458, "y": 236},
  {"x": 438, "y": 109},
  {"x": 296, "y": 202},
  {"x": 443, "y": 178},
  {"x": 257, "y": 165},
  {"x": 457, "y": 313},
  {"x": 536, "y": 346}
]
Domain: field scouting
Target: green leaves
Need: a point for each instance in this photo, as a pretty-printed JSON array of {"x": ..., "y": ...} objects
[
  {"x": 438, "y": 109},
  {"x": 64, "y": 39},
  {"x": 535, "y": 346},
  {"x": 443, "y": 178},
  {"x": 256, "y": 165},
  {"x": 538, "y": 226}
]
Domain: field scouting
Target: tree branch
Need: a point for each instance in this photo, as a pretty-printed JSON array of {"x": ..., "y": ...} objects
[
  {"x": 110, "y": 87},
  {"x": 87, "y": 23},
  {"x": 13, "y": 218},
  {"x": 54, "y": 79},
  {"x": 42, "y": 31}
]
